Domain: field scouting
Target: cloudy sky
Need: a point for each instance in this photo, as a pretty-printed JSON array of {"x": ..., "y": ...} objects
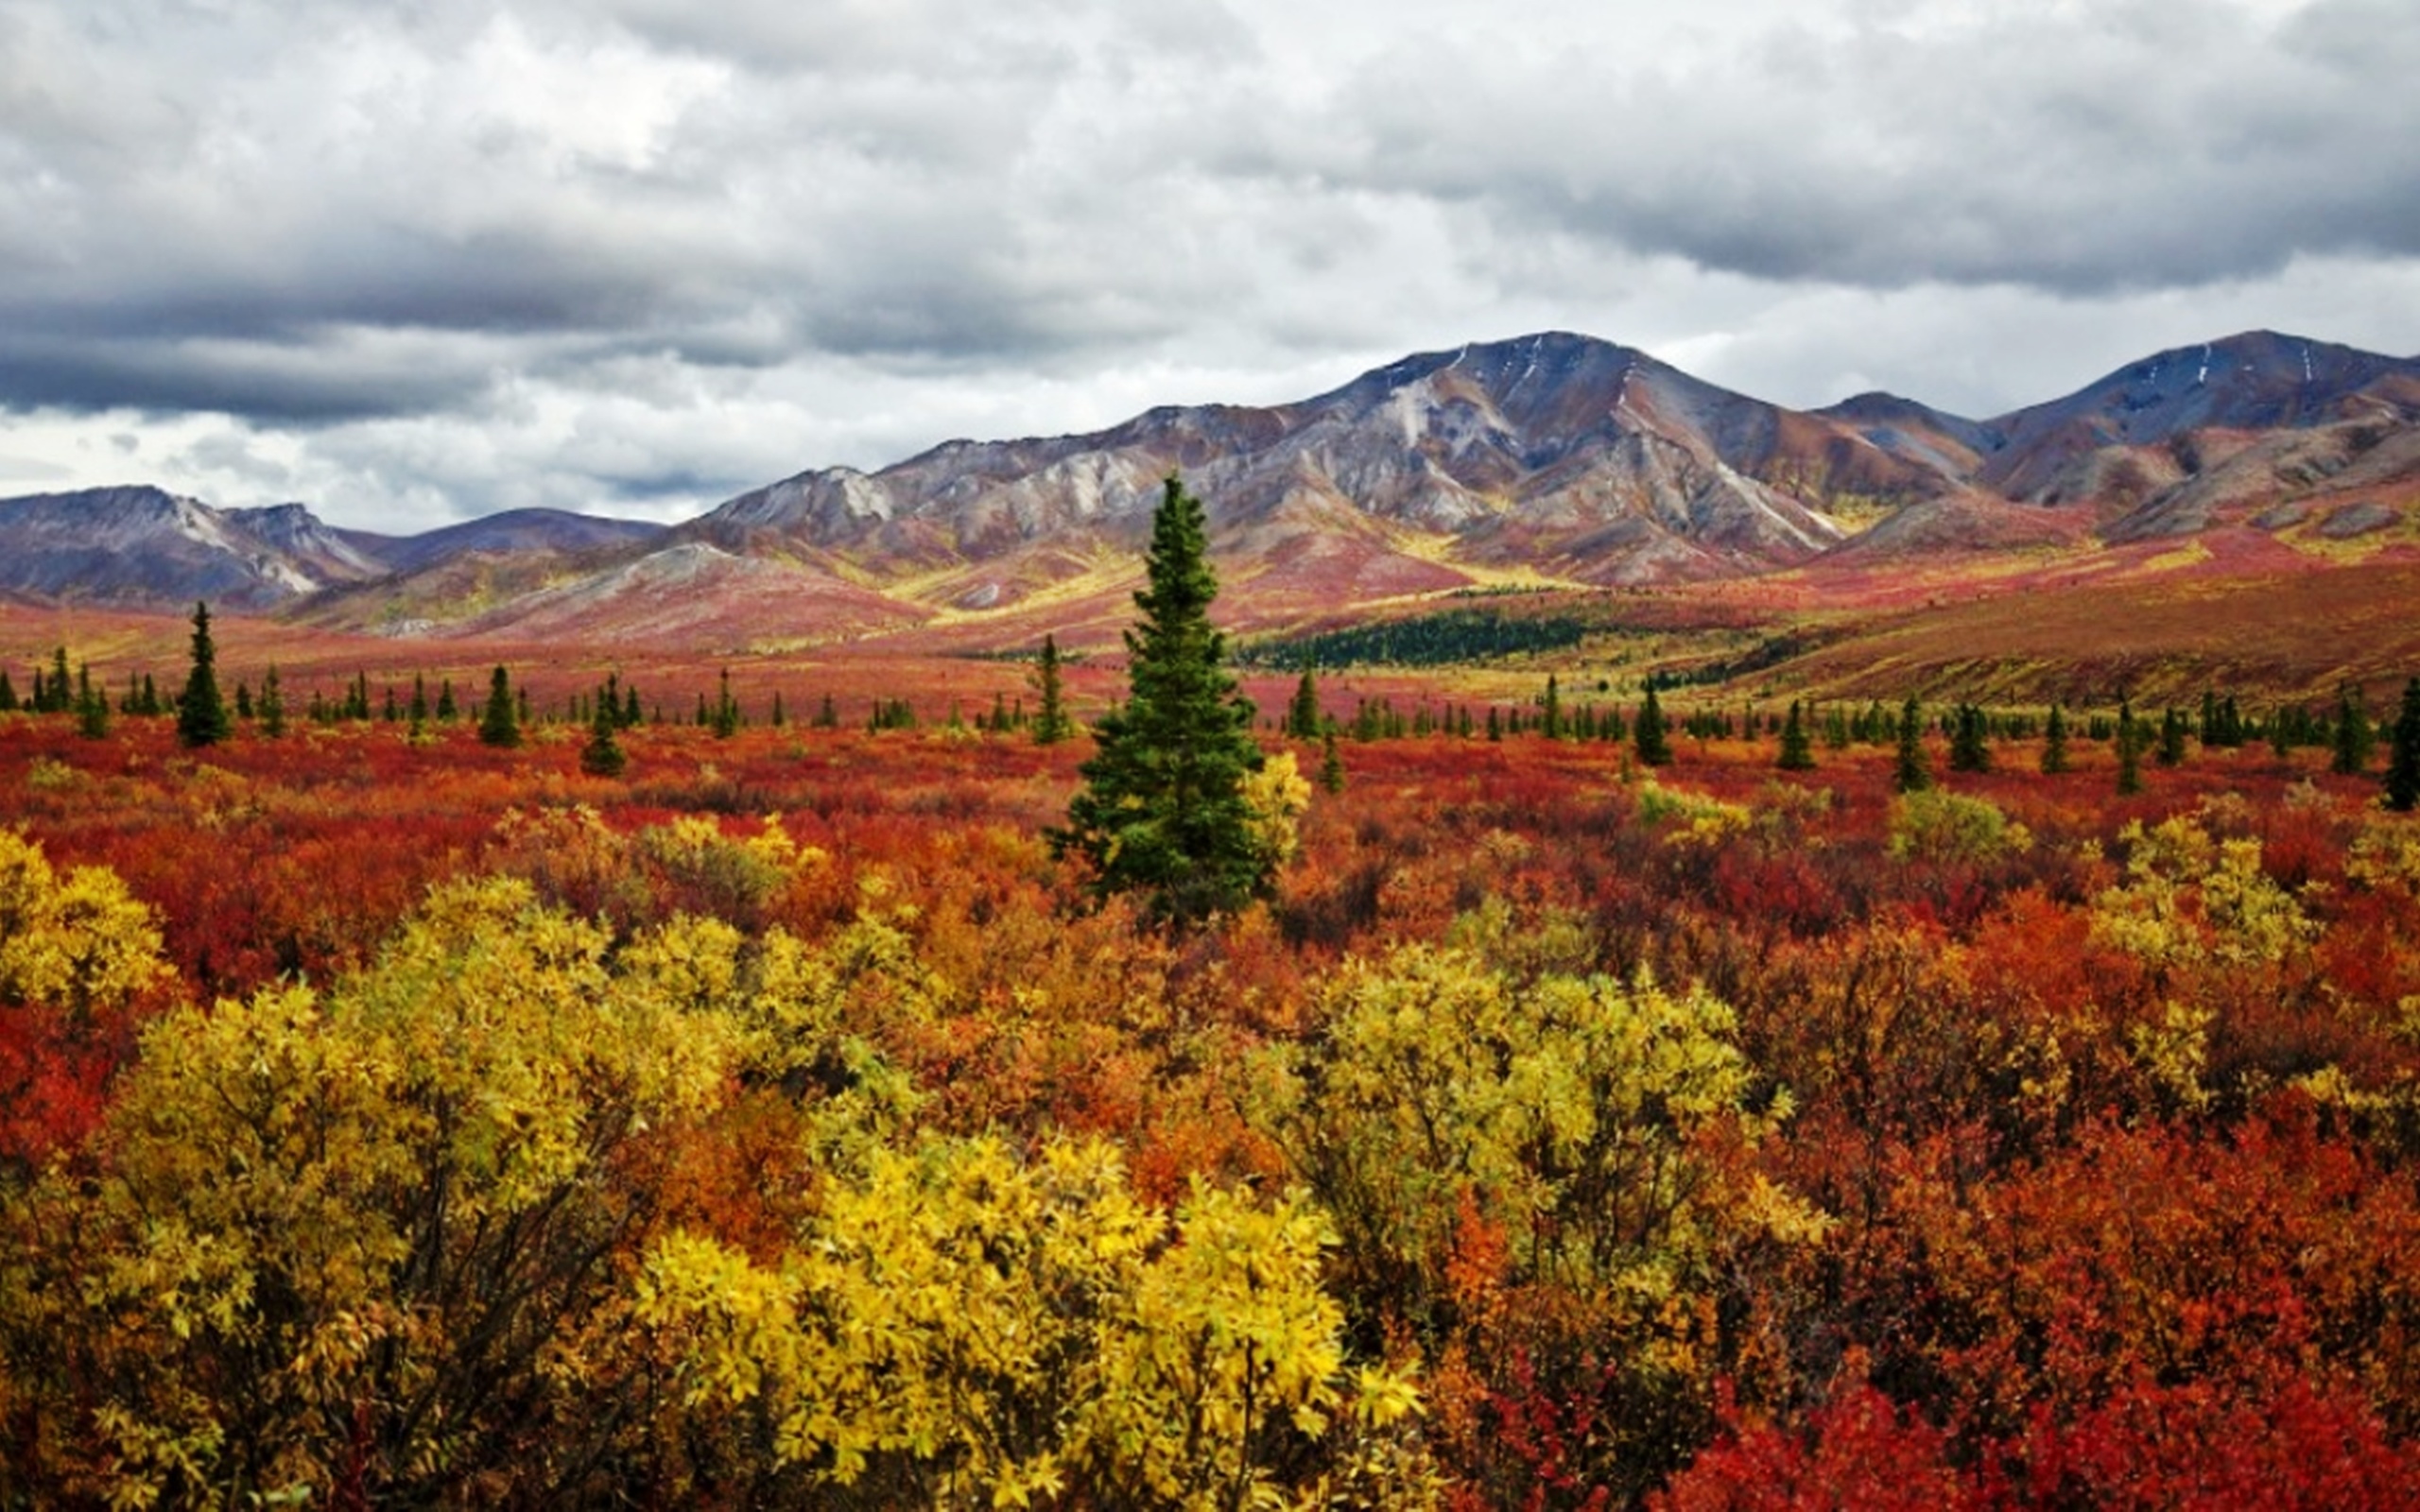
[{"x": 421, "y": 260}]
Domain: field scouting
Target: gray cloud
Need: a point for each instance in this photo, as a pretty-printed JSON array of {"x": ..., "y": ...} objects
[
  {"x": 2081, "y": 150},
  {"x": 425, "y": 260}
]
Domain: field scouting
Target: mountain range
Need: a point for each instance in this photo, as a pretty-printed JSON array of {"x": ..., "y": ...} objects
[{"x": 1548, "y": 460}]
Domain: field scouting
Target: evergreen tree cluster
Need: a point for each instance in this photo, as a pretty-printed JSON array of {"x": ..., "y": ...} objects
[
  {"x": 1970, "y": 740},
  {"x": 1446, "y": 639}
]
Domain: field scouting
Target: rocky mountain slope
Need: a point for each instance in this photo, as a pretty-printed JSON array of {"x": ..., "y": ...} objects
[
  {"x": 143, "y": 547},
  {"x": 1551, "y": 458},
  {"x": 1554, "y": 453},
  {"x": 2151, "y": 416}
]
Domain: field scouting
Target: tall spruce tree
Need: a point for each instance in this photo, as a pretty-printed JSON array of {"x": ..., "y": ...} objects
[
  {"x": 272, "y": 706},
  {"x": 1331, "y": 763},
  {"x": 1797, "y": 748},
  {"x": 1162, "y": 812},
  {"x": 62, "y": 687},
  {"x": 1912, "y": 771},
  {"x": 2354, "y": 735},
  {"x": 1050, "y": 722},
  {"x": 1302, "y": 719},
  {"x": 91, "y": 706},
  {"x": 1650, "y": 735},
  {"x": 201, "y": 713},
  {"x": 724, "y": 720},
  {"x": 2054, "y": 742},
  {"x": 2173, "y": 733},
  {"x": 2403, "y": 753},
  {"x": 603, "y": 756},
  {"x": 2131, "y": 738},
  {"x": 1970, "y": 745},
  {"x": 499, "y": 724}
]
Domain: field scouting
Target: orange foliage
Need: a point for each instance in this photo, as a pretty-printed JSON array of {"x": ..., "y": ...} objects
[{"x": 2096, "y": 1224}]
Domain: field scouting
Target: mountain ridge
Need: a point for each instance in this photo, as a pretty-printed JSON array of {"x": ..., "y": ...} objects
[{"x": 1553, "y": 457}]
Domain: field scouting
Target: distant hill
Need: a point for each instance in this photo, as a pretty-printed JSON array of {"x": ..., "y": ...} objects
[
  {"x": 510, "y": 532},
  {"x": 2256, "y": 383},
  {"x": 141, "y": 548}
]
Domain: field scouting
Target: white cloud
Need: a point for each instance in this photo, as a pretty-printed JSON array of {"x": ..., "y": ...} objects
[{"x": 410, "y": 263}]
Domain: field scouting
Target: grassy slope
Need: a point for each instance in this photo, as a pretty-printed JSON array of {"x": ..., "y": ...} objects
[{"x": 2273, "y": 614}]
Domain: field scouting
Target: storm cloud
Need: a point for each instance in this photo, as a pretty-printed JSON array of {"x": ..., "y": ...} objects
[{"x": 416, "y": 261}]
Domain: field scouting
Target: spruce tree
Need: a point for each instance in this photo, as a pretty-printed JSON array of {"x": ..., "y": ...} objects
[
  {"x": 1970, "y": 748},
  {"x": 602, "y": 756},
  {"x": 1912, "y": 771},
  {"x": 1331, "y": 763},
  {"x": 2173, "y": 731},
  {"x": 272, "y": 706},
  {"x": 2129, "y": 737},
  {"x": 1650, "y": 735},
  {"x": 2356, "y": 738},
  {"x": 2403, "y": 753},
  {"x": 1162, "y": 811},
  {"x": 92, "y": 707},
  {"x": 201, "y": 713},
  {"x": 1302, "y": 716},
  {"x": 499, "y": 725},
  {"x": 1050, "y": 722},
  {"x": 725, "y": 718},
  {"x": 8, "y": 693},
  {"x": 2285, "y": 730},
  {"x": 2054, "y": 743},
  {"x": 1797, "y": 751}
]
